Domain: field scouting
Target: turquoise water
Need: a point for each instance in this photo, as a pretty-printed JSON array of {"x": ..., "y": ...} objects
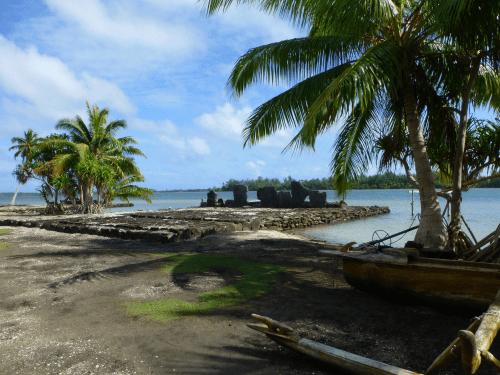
[{"x": 481, "y": 210}]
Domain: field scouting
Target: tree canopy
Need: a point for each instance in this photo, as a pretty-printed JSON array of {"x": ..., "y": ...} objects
[
  {"x": 375, "y": 69},
  {"x": 85, "y": 160}
]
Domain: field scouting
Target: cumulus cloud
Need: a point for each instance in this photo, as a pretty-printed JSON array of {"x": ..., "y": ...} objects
[
  {"x": 226, "y": 122},
  {"x": 200, "y": 146},
  {"x": 248, "y": 22},
  {"x": 169, "y": 134},
  {"x": 255, "y": 167},
  {"x": 38, "y": 84},
  {"x": 120, "y": 22},
  {"x": 165, "y": 131}
]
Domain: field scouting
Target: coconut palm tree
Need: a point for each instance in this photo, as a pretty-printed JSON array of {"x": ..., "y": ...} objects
[
  {"x": 24, "y": 147},
  {"x": 94, "y": 153},
  {"x": 363, "y": 62}
]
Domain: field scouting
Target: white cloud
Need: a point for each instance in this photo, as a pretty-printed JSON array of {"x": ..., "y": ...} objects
[
  {"x": 226, "y": 122},
  {"x": 122, "y": 23},
  {"x": 165, "y": 131},
  {"x": 247, "y": 22},
  {"x": 255, "y": 167},
  {"x": 43, "y": 85},
  {"x": 200, "y": 146}
]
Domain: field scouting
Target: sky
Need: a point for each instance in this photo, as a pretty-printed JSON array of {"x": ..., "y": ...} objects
[{"x": 161, "y": 65}]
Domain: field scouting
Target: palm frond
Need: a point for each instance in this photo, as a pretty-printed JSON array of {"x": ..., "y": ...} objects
[
  {"x": 360, "y": 82},
  {"x": 289, "y": 61},
  {"x": 288, "y": 109},
  {"x": 352, "y": 149}
]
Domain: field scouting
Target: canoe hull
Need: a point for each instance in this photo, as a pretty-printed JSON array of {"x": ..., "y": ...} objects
[{"x": 453, "y": 283}]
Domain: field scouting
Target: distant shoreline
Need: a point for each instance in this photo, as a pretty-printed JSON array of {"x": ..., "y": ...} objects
[{"x": 230, "y": 191}]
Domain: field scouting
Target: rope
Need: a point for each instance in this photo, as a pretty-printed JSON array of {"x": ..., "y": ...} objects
[{"x": 417, "y": 216}]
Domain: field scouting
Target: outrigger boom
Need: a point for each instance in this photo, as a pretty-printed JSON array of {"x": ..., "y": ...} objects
[
  {"x": 471, "y": 346},
  {"x": 346, "y": 361}
]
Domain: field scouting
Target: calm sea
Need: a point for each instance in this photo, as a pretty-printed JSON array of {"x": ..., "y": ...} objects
[{"x": 481, "y": 210}]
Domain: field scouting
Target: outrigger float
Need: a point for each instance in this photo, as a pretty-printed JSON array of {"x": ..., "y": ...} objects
[{"x": 404, "y": 273}]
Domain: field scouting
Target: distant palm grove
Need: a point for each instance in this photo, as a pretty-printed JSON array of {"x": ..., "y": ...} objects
[
  {"x": 83, "y": 161},
  {"x": 379, "y": 181}
]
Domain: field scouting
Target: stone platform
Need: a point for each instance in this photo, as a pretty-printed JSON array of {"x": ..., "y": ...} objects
[{"x": 170, "y": 225}]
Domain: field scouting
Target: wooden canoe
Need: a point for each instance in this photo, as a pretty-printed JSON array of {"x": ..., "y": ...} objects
[
  {"x": 401, "y": 274},
  {"x": 339, "y": 359}
]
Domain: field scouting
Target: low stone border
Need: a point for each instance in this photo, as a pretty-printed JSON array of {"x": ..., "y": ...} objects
[{"x": 166, "y": 226}]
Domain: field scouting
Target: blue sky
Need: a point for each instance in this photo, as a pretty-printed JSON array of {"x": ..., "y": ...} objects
[{"x": 162, "y": 66}]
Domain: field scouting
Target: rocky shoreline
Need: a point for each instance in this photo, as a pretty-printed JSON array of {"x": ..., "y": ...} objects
[
  {"x": 167, "y": 226},
  {"x": 26, "y": 209}
]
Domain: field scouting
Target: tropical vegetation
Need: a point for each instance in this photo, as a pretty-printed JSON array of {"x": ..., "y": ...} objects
[
  {"x": 397, "y": 77},
  {"x": 83, "y": 161},
  {"x": 25, "y": 148},
  {"x": 388, "y": 180}
]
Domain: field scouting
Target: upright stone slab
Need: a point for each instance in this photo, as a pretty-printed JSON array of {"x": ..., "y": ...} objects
[
  {"x": 268, "y": 197},
  {"x": 211, "y": 198},
  {"x": 299, "y": 194},
  {"x": 317, "y": 199},
  {"x": 240, "y": 193},
  {"x": 284, "y": 199}
]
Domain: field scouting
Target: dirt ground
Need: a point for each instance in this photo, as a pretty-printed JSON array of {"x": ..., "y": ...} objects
[{"x": 62, "y": 310}]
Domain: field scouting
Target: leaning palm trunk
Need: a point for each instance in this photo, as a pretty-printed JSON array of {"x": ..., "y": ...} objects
[
  {"x": 15, "y": 195},
  {"x": 432, "y": 231}
]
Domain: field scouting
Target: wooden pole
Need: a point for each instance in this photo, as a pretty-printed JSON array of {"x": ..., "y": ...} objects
[
  {"x": 473, "y": 345},
  {"x": 412, "y": 202},
  {"x": 451, "y": 353}
]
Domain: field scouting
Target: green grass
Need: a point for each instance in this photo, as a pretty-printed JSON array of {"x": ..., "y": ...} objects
[
  {"x": 255, "y": 281},
  {"x": 3, "y": 245}
]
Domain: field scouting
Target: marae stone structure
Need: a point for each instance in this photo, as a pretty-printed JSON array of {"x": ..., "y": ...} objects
[
  {"x": 299, "y": 194},
  {"x": 240, "y": 193},
  {"x": 169, "y": 225},
  {"x": 211, "y": 198},
  {"x": 268, "y": 197},
  {"x": 317, "y": 199}
]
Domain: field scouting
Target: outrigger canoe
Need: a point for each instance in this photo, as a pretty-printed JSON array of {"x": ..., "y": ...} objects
[{"x": 402, "y": 274}]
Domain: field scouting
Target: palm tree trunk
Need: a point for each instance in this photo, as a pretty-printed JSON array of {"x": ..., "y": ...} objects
[
  {"x": 88, "y": 197},
  {"x": 15, "y": 195},
  {"x": 431, "y": 231},
  {"x": 456, "y": 196}
]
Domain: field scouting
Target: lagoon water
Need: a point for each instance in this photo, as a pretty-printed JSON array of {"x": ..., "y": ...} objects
[{"x": 480, "y": 208}]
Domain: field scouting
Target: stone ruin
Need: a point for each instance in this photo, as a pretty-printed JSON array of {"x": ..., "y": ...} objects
[
  {"x": 211, "y": 198},
  {"x": 270, "y": 198},
  {"x": 299, "y": 194},
  {"x": 240, "y": 193},
  {"x": 284, "y": 199},
  {"x": 317, "y": 199}
]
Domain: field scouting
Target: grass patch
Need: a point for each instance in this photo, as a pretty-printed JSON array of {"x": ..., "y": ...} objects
[
  {"x": 255, "y": 281},
  {"x": 3, "y": 245}
]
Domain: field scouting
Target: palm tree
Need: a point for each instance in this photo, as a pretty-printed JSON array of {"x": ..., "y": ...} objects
[
  {"x": 24, "y": 147},
  {"x": 478, "y": 46},
  {"x": 94, "y": 153},
  {"x": 363, "y": 62}
]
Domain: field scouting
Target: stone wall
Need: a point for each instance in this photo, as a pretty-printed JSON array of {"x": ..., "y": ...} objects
[{"x": 167, "y": 226}]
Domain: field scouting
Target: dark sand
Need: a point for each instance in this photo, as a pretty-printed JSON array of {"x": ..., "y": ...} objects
[{"x": 62, "y": 295}]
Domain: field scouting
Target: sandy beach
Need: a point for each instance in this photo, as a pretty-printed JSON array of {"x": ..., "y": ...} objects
[{"x": 63, "y": 296}]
